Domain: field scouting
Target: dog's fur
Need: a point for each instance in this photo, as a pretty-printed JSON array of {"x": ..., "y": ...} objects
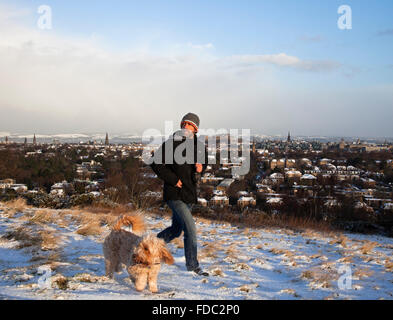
[{"x": 141, "y": 255}]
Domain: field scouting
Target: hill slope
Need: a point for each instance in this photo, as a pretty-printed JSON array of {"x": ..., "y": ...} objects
[{"x": 244, "y": 263}]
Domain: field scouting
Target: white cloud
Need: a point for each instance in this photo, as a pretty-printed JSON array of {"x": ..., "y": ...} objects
[
  {"x": 8, "y": 13},
  {"x": 201, "y": 46},
  {"x": 284, "y": 60},
  {"x": 52, "y": 84}
]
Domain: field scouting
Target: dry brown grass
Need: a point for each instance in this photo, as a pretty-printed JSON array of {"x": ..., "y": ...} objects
[
  {"x": 98, "y": 209},
  {"x": 367, "y": 247},
  {"x": 12, "y": 207},
  {"x": 92, "y": 219},
  {"x": 60, "y": 282},
  {"x": 83, "y": 217},
  {"x": 54, "y": 258},
  {"x": 18, "y": 204},
  {"x": 245, "y": 288},
  {"x": 362, "y": 273},
  {"x": 257, "y": 220},
  {"x": 25, "y": 236},
  {"x": 368, "y": 259},
  {"x": 212, "y": 232},
  {"x": 108, "y": 219},
  {"x": 92, "y": 228},
  {"x": 106, "y": 216},
  {"x": 45, "y": 240},
  {"x": 308, "y": 274},
  {"x": 178, "y": 242},
  {"x": 217, "y": 272},
  {"x": 232, "y": 251},
  {"x": 389, "y": 266},
  {"x": 254, "y": 234},
  {"x": 245, "y": 231},
  {"x": 50, "y": 241},
  {"x": 320, "y": 277},
  {"x": 241, "y": 266},
  {"x": 342, "y": 240},
  {"x": 88, "y": 278},
  {"x": 44, "y": 216},
  {"x": 250, "y": 234},
  {"x": 204, "y": 221},
  {"x": 210, "y": 250},
  {"x": 289, "y": 291},
  {"x": 284, "y": 252},
  {"x": 347, "y": 259}
]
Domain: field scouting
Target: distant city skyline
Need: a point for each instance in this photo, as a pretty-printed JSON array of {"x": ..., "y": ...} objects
[
  {"x": 127, "y": 66},
  {"x": 124, "y": 137}
]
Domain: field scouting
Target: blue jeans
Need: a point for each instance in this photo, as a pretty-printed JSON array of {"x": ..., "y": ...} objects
[{"x": 182, "y": 220}]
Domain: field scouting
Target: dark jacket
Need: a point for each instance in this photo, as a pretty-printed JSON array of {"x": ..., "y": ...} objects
[{"x": 170, "y": 171}]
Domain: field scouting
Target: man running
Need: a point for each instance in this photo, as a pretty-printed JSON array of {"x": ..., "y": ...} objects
[{"x": 177, "y": 162}]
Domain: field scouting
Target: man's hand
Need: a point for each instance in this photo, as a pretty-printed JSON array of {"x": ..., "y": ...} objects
[
  {"x": 179, "y": 184},
  {"x": 198, "y": 167}
]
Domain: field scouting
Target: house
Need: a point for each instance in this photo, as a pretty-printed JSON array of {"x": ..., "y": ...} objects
[
  {"x": 6, "y": 183},
  {"x": 219, "y": 201},
  {"x": 242, "y": 194},
  {"x": 306, "y": 162},
  {"x": 209, "y": 178},
  {"x": 263, "y": 152},
  {"x": 18, "y": 187},
  {"x": 332, "y": 203},
  {"x": 246, "y": 201},
  {"x": 275, "y": 179},
  {"x": 388, "y": 207},
  {"x": 291, "y": 163},
  {"x": 282, "y": 163},
  {"x": 369, "y": 192},
  {"x": 219, "y": 193},
  {"x": 305, "y": 191},
  {"x": 324, "y": 161},
  {"x": 263, "y": 188},
  {"x": 10, "y": 184},
  {"x": 60, "y": 188},
  {"x": 314, "y": 170},
  {"x": 293, "y": 175},
  {"x": 225, "y": 184},
  {"x": 368, "y": 183},
  {"x": 360, "y": 206},
  {"x": 376, "y": 203},
  {"x": 202, "y": 202},
  {"x": 308, "y": 179},
  {"x": 274, "y": 202}
]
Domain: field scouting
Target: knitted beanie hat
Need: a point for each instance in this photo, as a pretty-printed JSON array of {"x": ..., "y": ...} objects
[{"x": 191, "y": 119}]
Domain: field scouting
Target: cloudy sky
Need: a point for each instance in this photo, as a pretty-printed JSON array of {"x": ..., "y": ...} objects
[{"x": 126, "y": 66}]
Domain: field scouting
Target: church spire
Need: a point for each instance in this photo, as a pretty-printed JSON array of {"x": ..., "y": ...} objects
[
  {"x": 107, "y": 139},
  {"x": 34, "y": 140}
]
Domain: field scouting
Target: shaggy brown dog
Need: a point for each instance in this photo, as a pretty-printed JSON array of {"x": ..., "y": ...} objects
[{"x": 141, "y": 255}]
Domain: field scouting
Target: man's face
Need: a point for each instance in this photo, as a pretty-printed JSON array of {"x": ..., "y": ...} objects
[{"x": 189, "y": 127}]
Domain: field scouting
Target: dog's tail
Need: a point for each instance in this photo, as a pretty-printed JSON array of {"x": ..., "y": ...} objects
[{"x": 135, "y": 221}]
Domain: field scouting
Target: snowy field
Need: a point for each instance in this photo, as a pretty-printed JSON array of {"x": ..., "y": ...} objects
[{"x": 57, "y": 254}]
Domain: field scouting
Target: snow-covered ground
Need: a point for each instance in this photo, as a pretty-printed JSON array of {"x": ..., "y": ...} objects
[{"x": 244, "y": 263}]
